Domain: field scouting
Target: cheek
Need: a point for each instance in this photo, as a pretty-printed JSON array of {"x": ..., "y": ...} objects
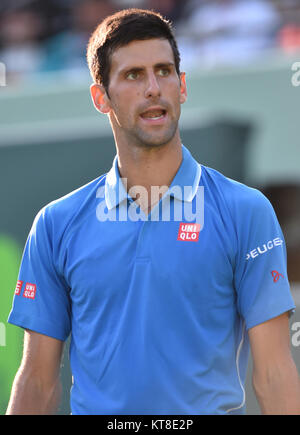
[
  {"x": 126, "y": 105},
  {"x": 177, "y": 99},
  {"x": 124, "y": 109},
  {"x": 173, "y": 93}
]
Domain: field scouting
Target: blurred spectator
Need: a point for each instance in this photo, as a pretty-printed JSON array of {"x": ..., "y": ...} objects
[
  {"x": 67, "y": 49},
  {"x": 289, "y": 34},
  {"x": 52, "y": 35},
  {"x": 171, "y": 9},
  {"x": 20, "y": 33},
  {"x": 174, "y": 10},
  {"x": 228, "y": 31},
  {"x": 122, "y": 4}
]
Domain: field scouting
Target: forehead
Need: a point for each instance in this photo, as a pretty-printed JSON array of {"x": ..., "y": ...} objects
[{"x": 141, "y": 54}]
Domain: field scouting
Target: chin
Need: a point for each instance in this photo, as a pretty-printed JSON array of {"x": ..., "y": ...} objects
[{"x": 156, "y": 140}]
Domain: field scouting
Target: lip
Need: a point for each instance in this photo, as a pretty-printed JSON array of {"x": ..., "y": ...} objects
[{"x": 154, "y": 121}]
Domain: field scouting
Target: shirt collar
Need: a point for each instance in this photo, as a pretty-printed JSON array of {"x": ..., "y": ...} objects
[{"x": 183, "y": 187}]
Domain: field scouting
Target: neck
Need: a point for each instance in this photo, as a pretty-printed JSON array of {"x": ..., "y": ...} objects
[{"x": 147, "y": 167}]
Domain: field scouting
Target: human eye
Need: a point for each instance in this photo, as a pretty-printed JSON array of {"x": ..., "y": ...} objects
[
  {"x": 164, "y": 72},
  {"x": 133, "y": 75}
]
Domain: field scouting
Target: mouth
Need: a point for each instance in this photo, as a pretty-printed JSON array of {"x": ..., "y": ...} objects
[{"x": 154, "y": 115}]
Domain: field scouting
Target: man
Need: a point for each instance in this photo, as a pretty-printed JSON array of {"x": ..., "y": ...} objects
[{"x": 161, "y": 306}]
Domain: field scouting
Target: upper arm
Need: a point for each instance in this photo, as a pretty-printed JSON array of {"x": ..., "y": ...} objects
[
  {"x": 260, "y": 269},
  {"x": 47, "y": 310},
  {"x": 270, "y": 344},
  {"x": 42, "y": 356},
  {"x": 275, "y": 376}
]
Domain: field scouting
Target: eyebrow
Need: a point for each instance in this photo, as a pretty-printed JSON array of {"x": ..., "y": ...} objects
[
  {"x": 163, "y": 65},
  {"x": 142, "y": 68}
]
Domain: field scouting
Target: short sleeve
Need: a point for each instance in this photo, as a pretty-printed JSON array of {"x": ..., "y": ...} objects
[
  {"x": 41, "y": 302},
  {"x": 261, "y": 280}
]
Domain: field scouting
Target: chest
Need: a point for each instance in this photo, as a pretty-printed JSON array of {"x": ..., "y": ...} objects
[{"x": 108, "y": 261}]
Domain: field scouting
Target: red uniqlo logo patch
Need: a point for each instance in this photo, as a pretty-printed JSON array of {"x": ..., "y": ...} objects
[
  {"x": 30, "y": 290},
  {"x": 18, "y": 287},
  {"x": 188, "y": 232}
]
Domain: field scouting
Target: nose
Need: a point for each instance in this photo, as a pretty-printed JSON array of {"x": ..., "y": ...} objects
[{"x": 152, "y": 86}]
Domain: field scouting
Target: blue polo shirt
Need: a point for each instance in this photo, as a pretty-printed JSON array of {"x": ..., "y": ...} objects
[{"x": 159, "y": 306}]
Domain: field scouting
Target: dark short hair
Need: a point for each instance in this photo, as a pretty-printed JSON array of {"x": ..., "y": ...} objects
[{"x": 120, "y": 29}]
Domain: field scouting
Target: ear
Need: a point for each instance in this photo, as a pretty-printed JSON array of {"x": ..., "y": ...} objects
[
  {"x": 183, "y": 90},
  {"x": 100, "y": 98}
]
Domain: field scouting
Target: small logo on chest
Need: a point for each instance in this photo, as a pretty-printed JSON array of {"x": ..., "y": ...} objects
[{"x": 188, "y": 232}]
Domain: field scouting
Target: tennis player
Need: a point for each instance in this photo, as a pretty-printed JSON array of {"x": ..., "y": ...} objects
[{"x": 162, "y": 309}]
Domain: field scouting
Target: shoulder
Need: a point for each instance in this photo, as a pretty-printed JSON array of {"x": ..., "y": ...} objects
[
  {"x": 238, "y": 197},
  {"x": 61, "y": 213}
]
